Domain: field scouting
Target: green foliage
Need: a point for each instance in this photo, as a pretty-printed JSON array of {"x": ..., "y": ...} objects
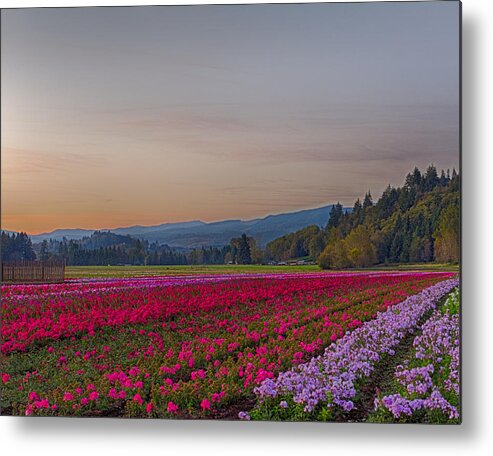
[
  {"x": 356, "y": 250},
  {"x": 447, "y": 236},
  {"x": 335, "y": 256},
  {"x": 309, "y": 241},
  {"x": 244, "y": 250},
  {"x": 452, "y": 304}
]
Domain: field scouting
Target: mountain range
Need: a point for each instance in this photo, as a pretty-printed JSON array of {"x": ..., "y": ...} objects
[{"x": 196, "y": 233}]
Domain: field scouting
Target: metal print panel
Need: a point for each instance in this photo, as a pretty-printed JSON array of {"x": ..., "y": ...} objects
[{"x": 232, "y": 212}]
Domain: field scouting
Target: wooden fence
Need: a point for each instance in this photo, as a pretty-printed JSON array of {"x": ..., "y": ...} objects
[{"x": 32, "y": 272}]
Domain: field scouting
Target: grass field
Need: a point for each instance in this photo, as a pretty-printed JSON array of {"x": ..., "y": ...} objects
[{"x": 137, "y": 271}]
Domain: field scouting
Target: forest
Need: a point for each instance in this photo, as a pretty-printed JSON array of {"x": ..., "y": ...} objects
[{"x": 418, "y": 222}]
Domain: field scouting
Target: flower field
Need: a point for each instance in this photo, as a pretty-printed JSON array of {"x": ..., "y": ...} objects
[
  {"x": 208, "y": 346},
  {"x": 427, "y": 383},
  {"x": 327, "y": 384}
]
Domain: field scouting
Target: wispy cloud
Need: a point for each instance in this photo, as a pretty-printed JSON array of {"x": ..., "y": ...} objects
[{"x": 22, "y": 161}]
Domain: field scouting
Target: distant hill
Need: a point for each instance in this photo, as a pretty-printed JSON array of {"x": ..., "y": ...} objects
[{"x": 196, "y": 233}]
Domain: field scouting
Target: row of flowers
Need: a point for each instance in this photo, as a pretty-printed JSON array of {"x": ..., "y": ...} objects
[
  {"x": 328, "y": 384},
  {"x": 54, "y": 315},
  {"x": 187, "y": 350},
  {"x": 427, "y": 383}
]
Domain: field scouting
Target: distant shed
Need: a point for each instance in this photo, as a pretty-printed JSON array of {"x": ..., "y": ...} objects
[{"x": 24, "y": 271}]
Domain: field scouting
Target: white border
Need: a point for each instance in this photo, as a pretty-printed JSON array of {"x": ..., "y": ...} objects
[{"x": 118, "y": 437}]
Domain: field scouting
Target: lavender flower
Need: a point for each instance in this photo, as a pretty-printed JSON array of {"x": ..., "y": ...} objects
[
  {"x": 438, "y": 341},
  {"x": 331, "y": 378}
]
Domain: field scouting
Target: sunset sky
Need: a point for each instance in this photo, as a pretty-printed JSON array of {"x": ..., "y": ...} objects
[{"x": 120, "y": 116}]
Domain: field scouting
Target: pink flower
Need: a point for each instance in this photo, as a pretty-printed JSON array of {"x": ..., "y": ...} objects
[
  {"x": 133, "y": 372},
  {"x": 138, "y": 399},
  {"x": 43, "y": 403},
  {"x": 93, "y": 395},
  {"x": 197, "y": 374},
  {"x": 84, "y": 401},
  {"x": 90, "y": 387},
  {"x": 50, "y": 350},
  {"x": 298, "y": 357},
  {"x": 33, "y": 396},
  {"x": 138, "y": 384},
  {"x": 216, "y": 397},
  {"x": 149, "y": 408},
  {"x": 112, "y": 393},
  {"x": 205, "y": 404},
  {"x": 5, "y": 378},
  {"x": 68, "y": 397},
  {"x": 172, "y": 407}
]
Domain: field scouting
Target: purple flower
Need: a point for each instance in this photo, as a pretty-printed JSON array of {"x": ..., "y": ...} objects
[
  {"x": 332, "y": 377},
  {"x": 244, "y": 416}
]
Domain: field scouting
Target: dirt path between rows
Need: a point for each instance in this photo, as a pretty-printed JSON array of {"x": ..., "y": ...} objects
[{"x": 382, "y": 378}]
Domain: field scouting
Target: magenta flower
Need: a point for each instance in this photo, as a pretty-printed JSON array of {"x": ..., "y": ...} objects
[
  {"x": 205, "y": 405},
  {"x": 149, "y": 408},
  {"x": 112, "y": 393},
  {"x": 172, "y": 407}
]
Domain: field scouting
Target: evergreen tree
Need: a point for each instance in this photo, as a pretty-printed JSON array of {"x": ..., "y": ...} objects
[
  {"x": 43, "y": 256},
  {"x": 431, "y": 179},
  {"x": 244, "y": 254},
  {"x": 335, "y": 216},
  {"x": 368, "y": 201}
]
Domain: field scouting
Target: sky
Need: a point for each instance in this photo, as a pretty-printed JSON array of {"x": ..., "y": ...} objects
[{"x": 145, "y": 115}]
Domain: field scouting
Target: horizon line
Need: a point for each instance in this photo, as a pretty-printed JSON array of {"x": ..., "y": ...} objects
[{"x": 176, "y": 222}]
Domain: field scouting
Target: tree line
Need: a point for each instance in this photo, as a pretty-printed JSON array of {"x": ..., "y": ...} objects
[
  {"x": 16, "y": 246},
  {"x": 418, "y": 222},
  {"x": 107, "y": 248}
]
